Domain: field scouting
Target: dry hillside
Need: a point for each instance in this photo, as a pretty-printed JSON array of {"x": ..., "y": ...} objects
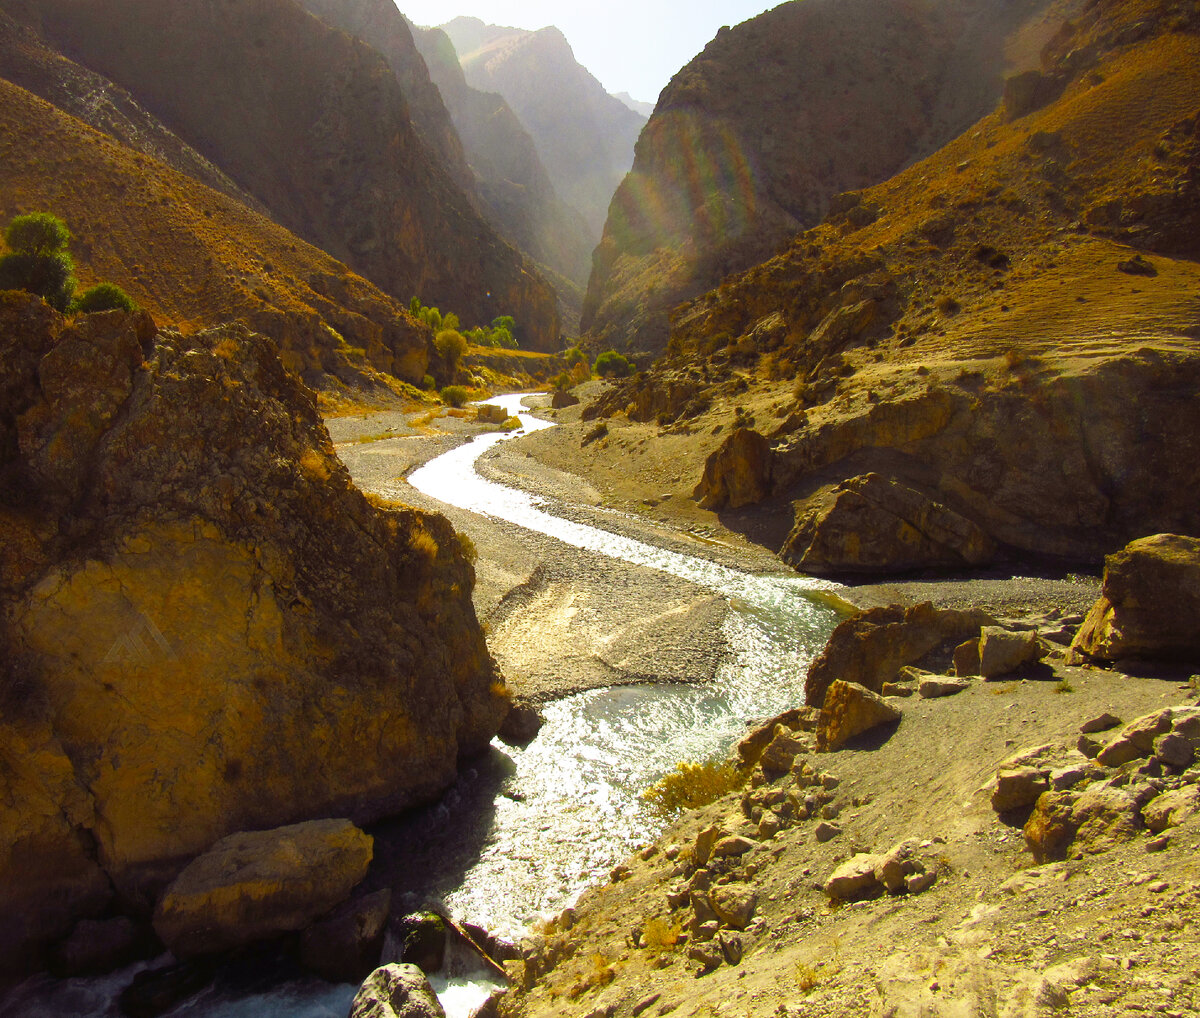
[
  {"x": 314, "y": 124},
  {"x": 993, "y": 352},
  {"x": 750, "y": 140},
  {"x": 195, "y": 257}
]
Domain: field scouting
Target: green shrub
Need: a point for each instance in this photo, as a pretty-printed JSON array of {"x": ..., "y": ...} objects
[
  {"x": 429, "y": 383},
  {"x": 414, "y": 307},
  {"x": 451, "y": 344},
  {"x": 103, "y": 297},
  {"x": 576, "y": 356},
  {"x": 611, "y": 364},
  {"x": 50, "y": 277},
  {"x": 40, "y": 234},
  {"x": 455, "y": 395}
]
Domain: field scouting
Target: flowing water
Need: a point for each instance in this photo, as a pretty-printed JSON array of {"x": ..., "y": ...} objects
[{"x": 524, "y": 830}]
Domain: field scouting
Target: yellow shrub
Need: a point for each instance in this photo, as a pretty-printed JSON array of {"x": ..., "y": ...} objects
[{"x": 692, "y": 785}]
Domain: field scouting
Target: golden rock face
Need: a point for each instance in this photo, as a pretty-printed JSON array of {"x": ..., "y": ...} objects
[
  {"x": 213, "y": 630},
  {"x": 254, "y": 885}
]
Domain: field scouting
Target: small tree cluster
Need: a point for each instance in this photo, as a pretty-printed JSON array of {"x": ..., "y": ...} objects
[
  {"x": 611, "y": 364},
  {"x": 501, "y": 333},
  {"x": 38, "y": 262}
]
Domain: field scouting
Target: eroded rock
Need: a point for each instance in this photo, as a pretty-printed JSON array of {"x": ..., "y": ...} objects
[
  {"x": 851, "y": 710},
  {"x": 1002, "y": 651},
  {"x": 1149, "y": 605},
  {"x": 254, "y": 886},
  {"x": 396, "y": 991}
]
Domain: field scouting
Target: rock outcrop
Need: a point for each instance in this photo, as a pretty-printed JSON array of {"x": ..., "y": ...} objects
[
  {"x": 872, "y": 646},
  {"x": 752, "y": 139},
  {"x": 207, "y": 628},
  {"x": 1149, "y": 605},
  {"x": 850, "y": 710},
  {"x": 330, "y": 149},
  {"x": 258, "y": 885}
]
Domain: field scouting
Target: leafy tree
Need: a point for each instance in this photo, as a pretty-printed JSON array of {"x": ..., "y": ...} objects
[
  {"x": 414, "y": 307},
  {"x": 450, "y": 321},
  {"x": 575, "y": 356},
  {"x": 39, "y": 233},
  {"x": 451, "y": 344},
  {"x": 505, "y": 322},
  {"x": 103, "y": 297},
  {"x": 38, "y": 261},
  {"x": 611, "y": 364}
]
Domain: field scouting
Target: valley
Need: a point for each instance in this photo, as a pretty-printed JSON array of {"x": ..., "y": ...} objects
[{"x": 475, "y": 543}]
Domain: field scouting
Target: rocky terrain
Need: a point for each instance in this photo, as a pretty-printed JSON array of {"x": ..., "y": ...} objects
[
  {"x": 1018, "y": 844},
  {"x": 941, "y": 374},
  {"x": 329, "y": 149},
  {"x": 751, "y": 140},
  {"x": 584, "y": 136},
  {"x": 207, "y": 628}
]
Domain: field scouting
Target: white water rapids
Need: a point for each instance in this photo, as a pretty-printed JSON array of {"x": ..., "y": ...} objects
[{"x": 523, "y": 831}]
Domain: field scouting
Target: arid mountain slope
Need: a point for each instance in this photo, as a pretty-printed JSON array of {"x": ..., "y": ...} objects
[
  {"x": 195, "y": 257},
  {"x": 750, "y": 141},
  {"x": 206, "y": 627},
  {"x": 511, "y": 178},
  {"x": 313, "y": 123},
  {"x": 584, "y": 135},
  {"x": 381, "y": 26},
  {"x": 996, "y": 351},
  {"x": 27, "y": 61}
]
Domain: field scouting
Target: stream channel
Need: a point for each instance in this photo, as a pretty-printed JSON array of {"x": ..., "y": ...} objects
[{"x": 523, "y": 831}]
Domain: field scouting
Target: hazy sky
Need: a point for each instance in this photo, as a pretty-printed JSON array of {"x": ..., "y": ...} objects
[{"x": 632, "y": 46}]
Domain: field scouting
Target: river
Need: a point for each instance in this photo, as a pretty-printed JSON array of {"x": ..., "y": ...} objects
[{"x": 523, "y": 831}]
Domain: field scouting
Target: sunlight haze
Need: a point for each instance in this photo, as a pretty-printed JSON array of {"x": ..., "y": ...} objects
[{"x": 632, "y": 47}]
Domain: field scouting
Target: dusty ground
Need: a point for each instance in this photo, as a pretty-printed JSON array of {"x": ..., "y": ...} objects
[{"x": 1109, "y": 934}]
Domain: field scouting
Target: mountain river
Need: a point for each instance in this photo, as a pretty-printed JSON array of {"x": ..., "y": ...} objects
[{"x": 523, "y": 831}]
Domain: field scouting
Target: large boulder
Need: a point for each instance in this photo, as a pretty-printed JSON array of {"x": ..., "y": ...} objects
[
  {"x": 872, "y": 524},
  {"x": 257, "y": 885},
  {"x": 1002, "y": 651},
  {"x": 871, "y": 647},
  {"x": 1149, "y": 605},
  {"x": 396, "y": 991},
  {"x": 738, "y": 473},
  {"x": 851, "y": 710},
  {"x": 208, "y": 628}
]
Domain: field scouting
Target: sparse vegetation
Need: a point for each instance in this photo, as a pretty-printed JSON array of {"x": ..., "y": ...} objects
[
  {"x": 452, "y": 345},
  {"x": 455, "y": 395},
  {"x": 103, "y": 297},
  {"x": 38, "y": 261},
  {"x": 692, "y": 785},
  {"x": 611, "y": 364}
]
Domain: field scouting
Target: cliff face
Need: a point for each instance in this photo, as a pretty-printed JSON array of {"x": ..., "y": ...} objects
[
  {"x": 314, "y": 124},
  {"x": 750, "y": 141},
  {"x": 585, "y": 136},
  {"x": 993, "y": 352},
  {"x": 516, "y": 190},
  {"x": 207, "y": 628},
  {"x": 197, "y": 257}
]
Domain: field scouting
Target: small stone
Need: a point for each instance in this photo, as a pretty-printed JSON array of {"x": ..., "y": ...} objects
[
  {"x": 940, "y": 685},
  {"x": 620, "y": 872},
  {"x": 966, "y": 658},
  {"x": 709, "y": 956},
  {"x": 705, "y": 931},
  {"x": 1102, "y": 723},
  {"x": 678, "y": 897},
  {"x": 731, "y": 948},
  {"x": 1002, "y": 651},
  {"x": 1089, "y": 747},
  {"x": 702, "y": 850},
  {"x": 768, "y": 827},
  {"x": 672, "y": 852},
  {"x": 734, "y": 905},
  {"x": 1018, "y": 788},
  {"x": 899, "y": 863},
  {"x": 1159, "y": 844},
  {"x": 1157, "y": 887},
  {"x": 855, "y": 879},
  {"x": 826, "y": 832},
  {"x": 916, "y": 883},
  {"x": 1175, "y": 750},
  {"x": 896, "y": 689},
  {"x": 733, "y": 846}
]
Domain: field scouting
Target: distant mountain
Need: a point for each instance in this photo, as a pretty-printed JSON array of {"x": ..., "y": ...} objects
[
  {"x": 314, "y": 125},
  {"x": 751, "y": 140},
  {"x": 585, "y": 136},
  {"x": 645, "y": 109},
  {"x": 514, "y": 185}
]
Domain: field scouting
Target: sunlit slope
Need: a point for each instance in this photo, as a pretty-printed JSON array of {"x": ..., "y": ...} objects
[{"x": 194, "y": 257}]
